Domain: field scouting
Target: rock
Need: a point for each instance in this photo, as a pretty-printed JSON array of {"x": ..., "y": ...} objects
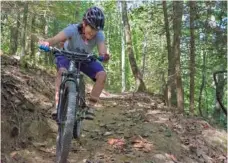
[
  {"x": 52, "y": 125},
  {"x": 168, "y": 133},
  {"x": 102, "y": 125},
  {"x": 14, "y": 132},
  {"x": 160, "y": 157},
  {"x": 17, "y": 101},
  {"x": 126, "y": 135},
  {"x": 160, "y": 106},
  {"x": 145, "y": 135},
  {"x": 23, "y": 144},
  {"x": 37, "y": 144},
  {"x": 108, "y": 133},
  {"x": 132, "y": 124},
  {"x": 119, "y": 132},
  {"x": 130, "y": 155},
  {"x": 206, "y": 158},
  {"x": 38, "y": 72},
  {"x": 113, "y": 122},
  {"x": 28, "y": 106}
]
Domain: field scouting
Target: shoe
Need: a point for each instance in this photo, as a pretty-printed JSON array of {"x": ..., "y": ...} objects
[
  {"x": 89, "y": 115},
  {"x": 54, "y": 113}
]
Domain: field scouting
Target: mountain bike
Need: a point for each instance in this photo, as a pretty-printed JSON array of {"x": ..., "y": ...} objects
[{"x": 71, "y": 109}]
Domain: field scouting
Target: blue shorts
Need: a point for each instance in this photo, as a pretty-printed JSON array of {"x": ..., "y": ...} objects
[{"x": 90, "y": 69}]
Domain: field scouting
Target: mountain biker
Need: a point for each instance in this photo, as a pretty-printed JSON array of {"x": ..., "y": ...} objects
[{"x": 84, "y": 37}]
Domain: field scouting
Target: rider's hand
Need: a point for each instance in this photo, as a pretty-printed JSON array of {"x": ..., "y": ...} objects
[
  {"x": 106, "y": 57},
  {"x": 44, "y": 43}
]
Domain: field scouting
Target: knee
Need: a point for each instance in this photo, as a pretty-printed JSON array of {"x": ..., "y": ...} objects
[
  {"x": 101, "y": 76},
  {"x": 60, "y": 71}
]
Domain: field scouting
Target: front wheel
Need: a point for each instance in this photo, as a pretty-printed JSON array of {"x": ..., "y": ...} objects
[
  {"x": 80, "y": 111},
  {"x": 66, "y": 123}
]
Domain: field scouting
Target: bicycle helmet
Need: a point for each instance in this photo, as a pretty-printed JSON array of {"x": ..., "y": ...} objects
[{"x": 95, "y": 18}]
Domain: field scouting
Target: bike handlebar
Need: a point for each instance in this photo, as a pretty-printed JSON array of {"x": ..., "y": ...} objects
[{"x": 70, "y": 54}]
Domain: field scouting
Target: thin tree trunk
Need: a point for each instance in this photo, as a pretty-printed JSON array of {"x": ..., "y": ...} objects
[
  {"x": 23, "y": 42},
  {"x": 192, "y": 55},
  {"x": 123, "y": 56},
  {"x": 123, "y": 63},
  {"x": 169, "y": 92},
  {"x": 219, "y": 83},
  {"x": 13, "y": 41},
  {"x": 204, "y": 51},
  {"x": 140, "y": 86},
  {"x": 4, "y": 18},
  {"x": 178, "y": 9},
  {"x": 14, "y": 36},
  {"x": 46, "y": 24},
  {"x": 77, "y": 11},
  {"x": 45, "y": 32},
  {"x": 203, "y": 81},
  {"x": 32, "y": 44},
  {"x": 144, "y": 53}
]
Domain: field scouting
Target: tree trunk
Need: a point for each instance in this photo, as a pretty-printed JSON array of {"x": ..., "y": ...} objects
[
  {"x": 203, "y": 81},
  {"x": 169, "y": 92},
  {"x": 77, "y": 11},
  {"x": 219, "y": 83},
  {"x": 123, "y": 64},
  {"x": 123, "y": 56},
  {"x": 45, "y": 33},
  {"x": 23, "y": 39},
  {"x": 4, "y": 20},
  {"x": 46, "y": 21},
  {"x": 140, "y": 86},
  {"x": 14, "y": 36},
  {"x": 144, "y": 53},
  {"x": 192, "y": 55},
  {"x": 32, "y": 44},
  {"x": 13, "y": 40},
  {"x": 204, "y": 51},
  {"x": 178, "y": 9}
]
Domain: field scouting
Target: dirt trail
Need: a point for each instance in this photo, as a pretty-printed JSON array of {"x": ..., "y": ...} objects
[{"x": 129, "y": 128}]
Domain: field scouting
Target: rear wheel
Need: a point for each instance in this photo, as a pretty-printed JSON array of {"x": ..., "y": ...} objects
[{"x": 66, "y": 122}]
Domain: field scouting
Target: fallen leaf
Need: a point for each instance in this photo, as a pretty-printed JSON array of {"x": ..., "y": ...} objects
[
  {"x": 172, "y": 157},
  {"x": 13, "y": 154},
  {"x": 142, "y": 144},
  {"x": 117, "y": 143}
]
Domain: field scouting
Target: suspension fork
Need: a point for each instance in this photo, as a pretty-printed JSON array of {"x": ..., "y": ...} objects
[{"x": 64, "y": 78}]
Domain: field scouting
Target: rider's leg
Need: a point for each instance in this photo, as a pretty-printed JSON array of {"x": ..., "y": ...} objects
[
  {"x": 95, "y": 93},
  {"x": 98, "y": 87},
  {"x": 97, "y": 73},
  {"x": 57, "y": 84},
  {"x": 62, "y": 65}
]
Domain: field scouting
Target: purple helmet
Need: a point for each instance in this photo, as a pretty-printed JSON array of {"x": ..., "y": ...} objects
[{"x": 95, "y": 18}]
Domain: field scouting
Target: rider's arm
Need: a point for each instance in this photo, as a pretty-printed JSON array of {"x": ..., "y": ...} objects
[
  {"x": 100, "y": 38},
  {"x": 102, "y": 48},
  {"x": 60, "y": 37}
]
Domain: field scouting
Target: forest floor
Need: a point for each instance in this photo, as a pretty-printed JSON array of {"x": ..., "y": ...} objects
[{"x": 128, "y": 128}]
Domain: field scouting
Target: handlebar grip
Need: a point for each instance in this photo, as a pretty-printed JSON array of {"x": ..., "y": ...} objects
[
  {"x": 100, "y": 58},
  {"x": 44, "y": 48}
]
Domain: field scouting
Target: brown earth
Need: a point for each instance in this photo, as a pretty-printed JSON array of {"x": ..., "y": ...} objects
[{"x": 129, "y": 128}]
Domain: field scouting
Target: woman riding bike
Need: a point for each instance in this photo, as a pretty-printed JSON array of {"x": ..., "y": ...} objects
[{"x": 83, "y": 38}]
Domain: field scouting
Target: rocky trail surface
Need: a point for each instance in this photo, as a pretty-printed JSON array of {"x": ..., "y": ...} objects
[{"x": 129, "y": 128}]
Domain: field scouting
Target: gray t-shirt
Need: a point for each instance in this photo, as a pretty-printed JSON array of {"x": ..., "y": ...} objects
[{"x": 75, "y": 41}]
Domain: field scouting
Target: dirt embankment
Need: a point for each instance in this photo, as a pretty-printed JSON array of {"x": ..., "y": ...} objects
[{"x": 129, "y": 128}]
